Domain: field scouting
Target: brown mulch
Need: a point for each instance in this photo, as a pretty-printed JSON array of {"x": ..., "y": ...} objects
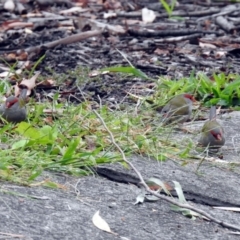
[{"x": 200, "y": 36}]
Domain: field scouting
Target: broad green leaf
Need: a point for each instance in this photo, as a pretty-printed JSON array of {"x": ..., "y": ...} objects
[
  {"x": 179, "y": 191},
  {"x": 27, "y": 130},
  {"x": 20, "y": 144},
  {"x": 159, "y": 183},
  {"x": 49, "y": 132},
  {"x": 186, "y": 212},
  {"x": 131, "y": 70}
]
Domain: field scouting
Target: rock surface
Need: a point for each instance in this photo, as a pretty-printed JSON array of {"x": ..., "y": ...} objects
[{"x": 67, "y": 214}]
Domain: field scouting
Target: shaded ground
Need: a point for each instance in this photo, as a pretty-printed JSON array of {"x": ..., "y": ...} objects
[{"x": 201, "y": 37}]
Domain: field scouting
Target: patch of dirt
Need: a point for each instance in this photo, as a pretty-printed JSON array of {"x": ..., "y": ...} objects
[{"x": 200, "y": 37}]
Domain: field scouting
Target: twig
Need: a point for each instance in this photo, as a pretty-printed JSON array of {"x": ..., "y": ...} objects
[
  {"x": 224, "y": 224},
  {"x": 12, "y": 211},
  {"x": 12, "y": 235},
  {"x": 67, "y": 40}
]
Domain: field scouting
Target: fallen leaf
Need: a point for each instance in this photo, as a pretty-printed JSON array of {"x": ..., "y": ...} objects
[
  {"x": 109, "y": 15},
  {"x": 47, "y": 83},
  {"x": 233, "y": 209},
  {"x": 30, "y": 83},
  {"x": 95, "y": 73},
  {"x": 9, "y": 5},
  {"x": 73, "y": 10},
  {"x": 156, "y": 184},
  {"x": 187, "y": 212},
  {"x": 218, "y": 110},
  {"x": 151, "y": 198},
  {"x": 100, "y": 223},
  {"x": 140, "y": 198},
  {"x": 207, "y": 45},
  {"x": 113, "y": 5},
  {"x": 220, "y": 54},
  {"x": 179, "y": 191},
  {"x": 28, "y": 31},
  {"x": 148, "y": 16},
  {"x": 11, "y": 56},
  {"x": 48, "y": 120},
  {"x": 53, "y": 111}
]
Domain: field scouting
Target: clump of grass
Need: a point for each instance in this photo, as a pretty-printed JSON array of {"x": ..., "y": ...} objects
[
  {"x": 72, "y": 139},
  {"x": 75, "y": 140},
  {"x": 219, "y": 89}
]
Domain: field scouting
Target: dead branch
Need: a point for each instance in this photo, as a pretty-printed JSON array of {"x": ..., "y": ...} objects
[{"x": 67, "y": 40}]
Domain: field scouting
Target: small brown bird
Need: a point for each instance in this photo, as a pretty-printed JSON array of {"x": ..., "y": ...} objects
[
  {"x": 14, "y": 110},
  {"x": 212, "y": 132},
  {"x": 178, "y": 109}
]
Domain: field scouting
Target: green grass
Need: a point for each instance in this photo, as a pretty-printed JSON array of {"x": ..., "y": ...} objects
[
  {"x": 74, "y": 140},
  {"x": 219, "y": 89},
  {"x": 71, "y": 138},
  {"x": 169, "y": 7}
]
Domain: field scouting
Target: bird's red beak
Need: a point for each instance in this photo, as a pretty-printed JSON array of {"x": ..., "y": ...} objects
[
  {"x": 219, "y": 137},
  {"x": 9, "y": 104},
  {"x": 191, "y": 97}
]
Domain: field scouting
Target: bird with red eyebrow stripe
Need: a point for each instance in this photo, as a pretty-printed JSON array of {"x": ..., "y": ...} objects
[
  {"x": 14, "y": 110},
  {"x": 212, "y": 132},
  {"x": 178, "y": 109}
]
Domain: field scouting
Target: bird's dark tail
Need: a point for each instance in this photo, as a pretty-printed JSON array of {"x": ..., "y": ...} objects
[
  {"x": 23, "y": 93},
  {"x": 23, "y": 97},
  {"x": 213, "y": 113}
]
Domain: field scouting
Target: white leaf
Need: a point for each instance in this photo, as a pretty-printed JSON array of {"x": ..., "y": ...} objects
[
  {"x": 159, "y": 183},
  {"x": 109, "y": 15},
  {"x": 100, "y": 223},
  {"x": 30, "y": 83},
  {"x": 151, "y": 198},
  {"x": 72, "y": 10},
  {"x": 9, "y": 5},
  {"x": 207, "y": 45},
  {"x": 140, "y": 198},
  {"x": 148, "y": 16},
  {"x": 234, "y": 209}
]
